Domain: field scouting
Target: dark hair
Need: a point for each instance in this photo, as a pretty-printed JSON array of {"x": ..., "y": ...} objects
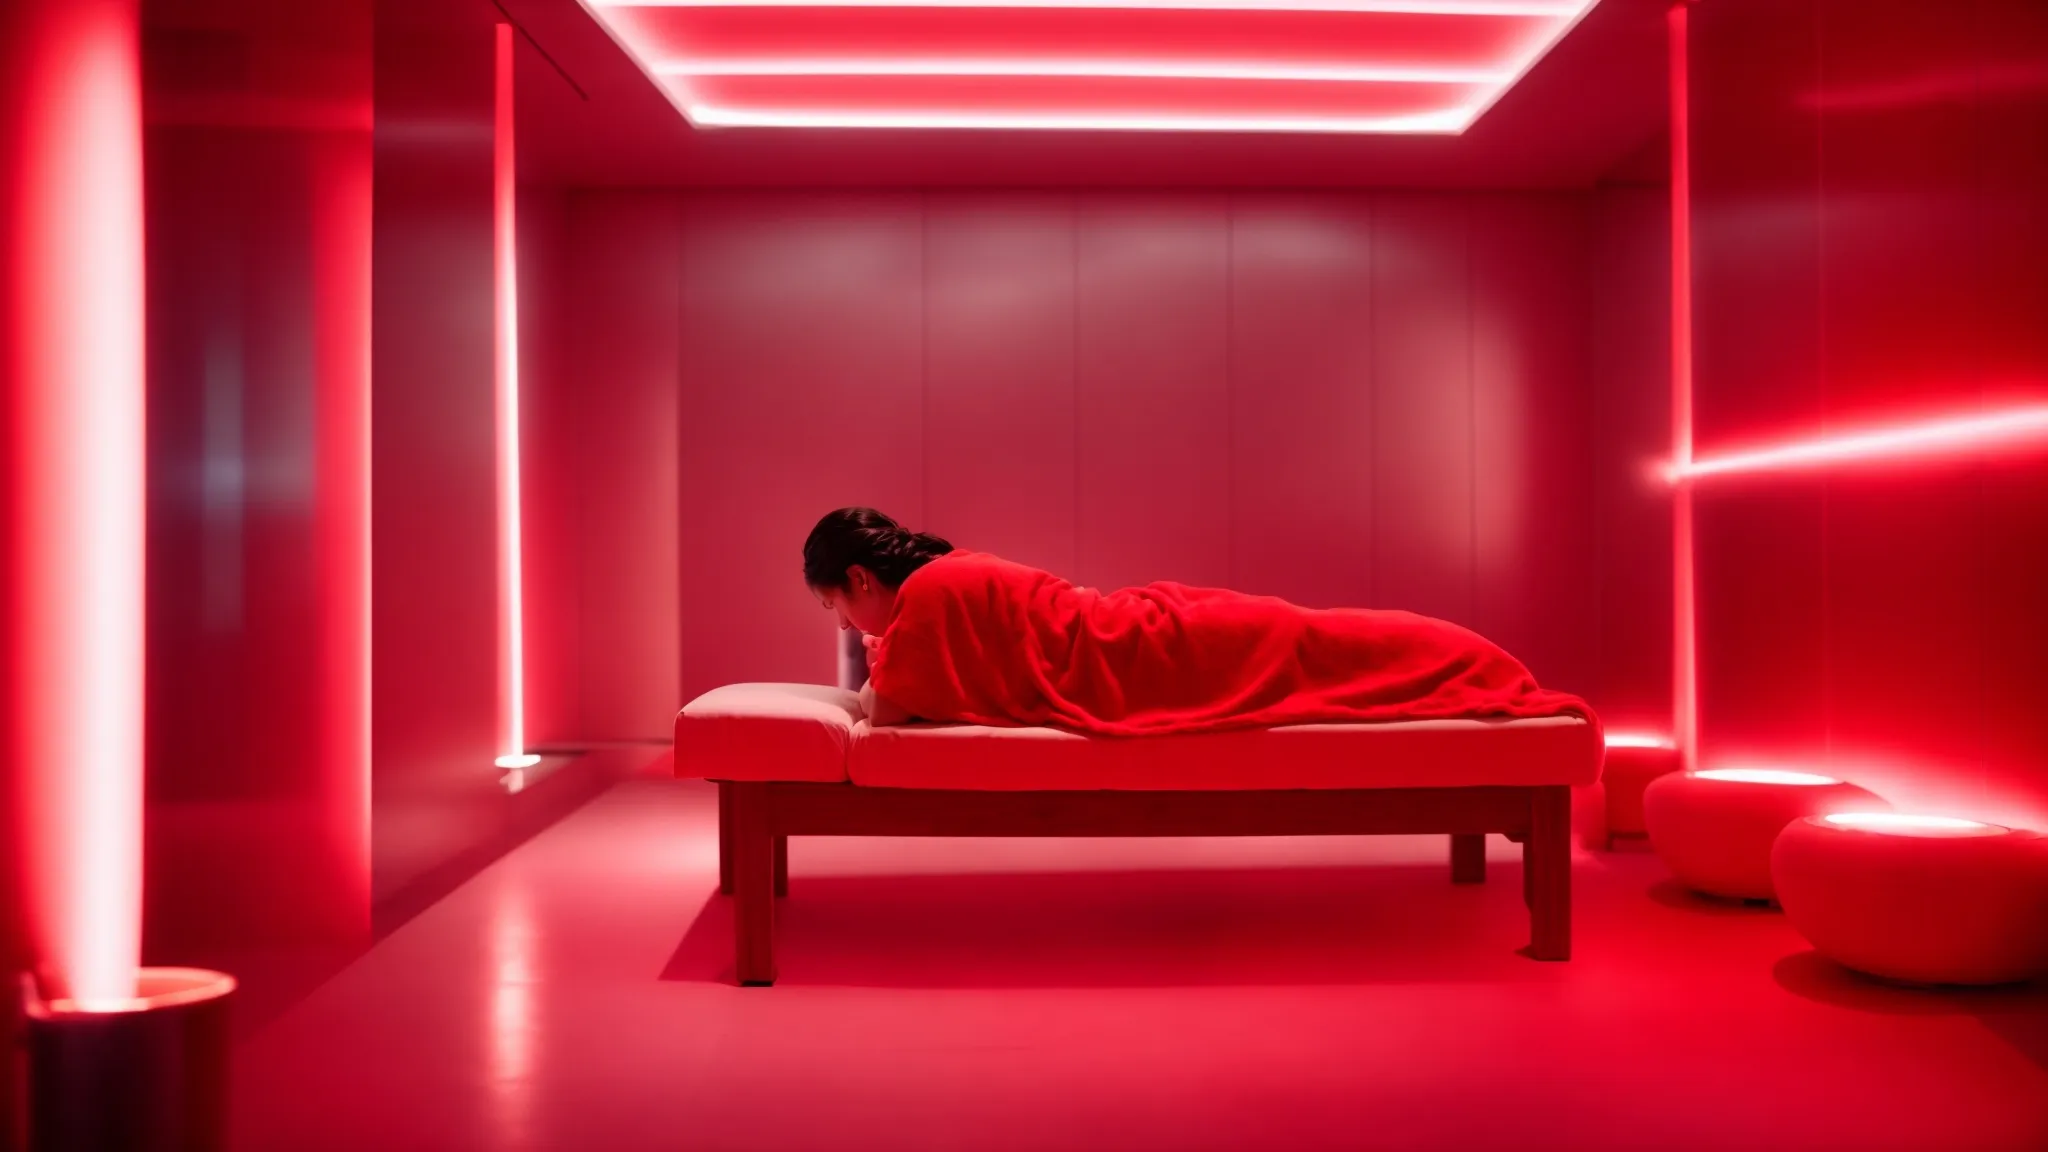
[{"x": 865, "y": 537}]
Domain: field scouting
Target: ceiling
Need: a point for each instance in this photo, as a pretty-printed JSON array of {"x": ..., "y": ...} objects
[{"x": 1591, "y": 107}]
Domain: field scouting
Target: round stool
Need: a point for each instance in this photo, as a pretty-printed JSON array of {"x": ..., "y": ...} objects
[
  {"x": 1714, "y": 829},
  {"x": 1918, "y": 899},
  {"x": 1629, "y": 768}
]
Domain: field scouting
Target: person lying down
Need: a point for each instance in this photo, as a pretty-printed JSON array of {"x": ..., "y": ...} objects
[{"x": 966, "y": 637}]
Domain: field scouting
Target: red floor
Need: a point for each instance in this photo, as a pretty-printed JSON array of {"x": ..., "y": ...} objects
[{"x": 1112, "y": 995}]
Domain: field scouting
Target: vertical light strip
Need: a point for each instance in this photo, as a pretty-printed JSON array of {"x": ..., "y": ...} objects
[
  {"x": 74, "y": 253},
  {"x": 511, "y": 579},
  {"x": 1684, "y": 602}
]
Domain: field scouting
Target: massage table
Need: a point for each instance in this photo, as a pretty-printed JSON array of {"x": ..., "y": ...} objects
[{"x": 801, "y": 760}]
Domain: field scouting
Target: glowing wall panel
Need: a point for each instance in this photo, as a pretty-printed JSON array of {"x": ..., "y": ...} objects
[
  {"x": 550, "y": 467},
  {"x": 259, "y": 269},
  {"x": 1869, "y": 279},
  {"x": 621, "y": 309},
  {"x": 1631, "y": 343},
  {"x": 1153, "y": 404},
  {"x": 434, "y": 444},
  {"x": 1000, "y": 344},
  {"x": 1301, "y": 491}
]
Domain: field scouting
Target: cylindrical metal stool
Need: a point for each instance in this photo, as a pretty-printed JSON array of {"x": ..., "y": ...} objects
[{"x": 149, "y": 1075}]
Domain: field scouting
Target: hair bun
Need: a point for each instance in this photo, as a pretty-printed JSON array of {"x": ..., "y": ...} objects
[{"x": 866, "y": 538}]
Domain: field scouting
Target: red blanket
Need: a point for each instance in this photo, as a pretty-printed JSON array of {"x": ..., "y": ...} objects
[{"x": 980, "y": 640}]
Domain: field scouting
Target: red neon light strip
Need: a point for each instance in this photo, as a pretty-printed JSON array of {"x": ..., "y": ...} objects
[
  {"x": 1083, "y": 68},
  {"x": 511, "y": 577},
  {"x": 74, "y": 253},
  {"x": 1521, "y": 8},
  {"x": 1316, "y": 66},
  {"x": 2016, "y": 426},
  {"x": 711, "y": 116},
  {"x": 1264, "y": 36},
  {"x": 1685, "y": 705},
  {"x": 1039, "y": 98}
]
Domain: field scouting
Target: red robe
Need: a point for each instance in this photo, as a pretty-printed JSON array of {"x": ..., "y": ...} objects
[{"x": 977, "y": 639}]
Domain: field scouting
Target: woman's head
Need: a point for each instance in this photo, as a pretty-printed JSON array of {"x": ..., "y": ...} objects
[{"x": 856, "y": 559}]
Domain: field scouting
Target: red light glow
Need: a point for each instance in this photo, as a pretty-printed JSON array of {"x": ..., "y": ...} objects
[
  {"x": 1299, "y": 66},
  {"x": 342, "y": 246},
  {"x": 1908, "y": 824},
  {"x": 155, "y": 989},
  {"x": 1551, "y": 8},
  {"x": 2013, "y": 428},
  {"x": 1767, "y": 776},
  {"x": 511, "y": 578},
  {"x": 1639, "y": 740},
  {"x": 1131, "y": 69},
  {"x": 74, "y": 254},
  {"x": 710, "y": 116}
]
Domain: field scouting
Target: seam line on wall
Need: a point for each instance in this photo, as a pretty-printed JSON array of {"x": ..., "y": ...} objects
[
  {"x": 1371, "y": 385},
  {"x": 684, "y": 214},
  {"x": 924, "y": 358},
  {"x": 1372, "y": 322},
  {"x": 1074, "y": 367},
  {"x": 1473, "y": 615},
  {"x": 1230, "y": 389}
]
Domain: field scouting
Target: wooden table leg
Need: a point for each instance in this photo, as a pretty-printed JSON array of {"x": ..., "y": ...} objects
[
  {"x": 1468, "y": 858},
  {"x": 782, "y": 865},
  {"x": 1547, "y": 864},
  {"x": 753, "y": 882}
]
